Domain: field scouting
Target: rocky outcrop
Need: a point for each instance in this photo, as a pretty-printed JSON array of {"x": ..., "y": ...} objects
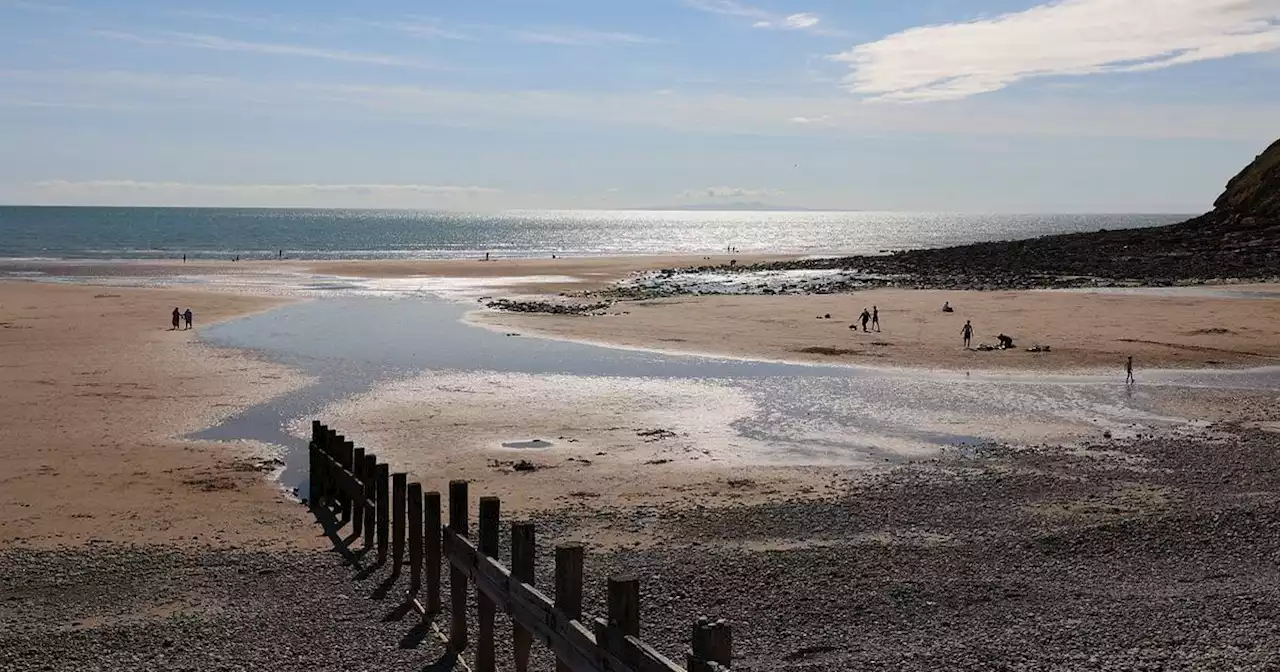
[{"x": 1255, "y": 192}]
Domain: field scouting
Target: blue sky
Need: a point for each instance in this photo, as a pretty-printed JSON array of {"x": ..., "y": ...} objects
[{"x": 941, "y": 105}]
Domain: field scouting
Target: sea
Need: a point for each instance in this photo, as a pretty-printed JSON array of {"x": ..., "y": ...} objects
[{"x": 107, "y": 233}]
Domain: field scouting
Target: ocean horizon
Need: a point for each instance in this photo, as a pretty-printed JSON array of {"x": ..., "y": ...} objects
[{"x": 150, "y": 233}]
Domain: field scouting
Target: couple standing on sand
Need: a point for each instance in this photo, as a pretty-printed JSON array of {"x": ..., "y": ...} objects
[
  {"x": 873, "y": 317},
  {"x": 179, "y": 316}
]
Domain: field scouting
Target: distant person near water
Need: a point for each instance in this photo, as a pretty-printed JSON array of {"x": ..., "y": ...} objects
[
  {"x": 875, "y": 318},
  {"x": 486, "y": 256},
  {"x": 967, "y": 332},
  {"x": 865, "y": 317},
  {"x": 1128, "y": 371},
  {"x": 187, "y": 316},
  {"x": 177, "y": 317}
]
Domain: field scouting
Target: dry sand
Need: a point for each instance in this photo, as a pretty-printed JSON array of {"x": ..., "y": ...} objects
[
  {"x": 98, "y": 393},
  {"x": 1086, "y": 331}
]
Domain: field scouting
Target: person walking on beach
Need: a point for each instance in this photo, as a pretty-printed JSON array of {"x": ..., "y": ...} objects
[
  {"x": 875, "y": 318},
  {"x": 866, "y": 317},
  {"x": 1128, "y": 371},
  {"x": 187, "y": 316},
  {"x": 177, "y": 317},
  {"x": 967, "y": 332}
]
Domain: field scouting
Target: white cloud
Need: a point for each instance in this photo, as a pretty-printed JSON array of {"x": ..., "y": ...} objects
[
  {"x": 761, "y": 18},
  {"x": 217, "y": 43},
  {"x": 135, "y": 192},
  {"x": 810, "y": 120},
  {"x": 698, "y": 112},
  {"x": 1066, "y": 37},
  {"x": 422, "y": 27},
  {"x": 722, "y": 193},
  {"x": 578, "y": 37}
]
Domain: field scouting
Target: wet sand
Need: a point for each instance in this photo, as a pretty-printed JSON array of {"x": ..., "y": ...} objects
[
  {"x": 544, "y": 442},
  {"x": 1084, "y": 330},
  {"x": 99, "y": 392}
]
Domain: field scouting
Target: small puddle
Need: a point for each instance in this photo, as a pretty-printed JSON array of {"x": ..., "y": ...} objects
[{"x": 535, "y": 444}]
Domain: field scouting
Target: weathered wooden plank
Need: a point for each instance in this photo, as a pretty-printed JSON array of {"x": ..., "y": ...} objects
[
  {"x": 314, "y": 494},
  {"x": 432, "y": 534},
  {"x": 457, "y": 578},
  {"x": 490, "y": 577},
  {"x": 351, "y": 486},
  {"x": 359, "y": 503},
  {"x": 415, "y": 537},
  {"x": 382, "y": 483},
  {"x": 524, "y": 552},
  {"x": 399, "y": 493},
  {"x": 623, "y": 602},
  {"x": 570, "y": 640},
  {"x": 711, "y": 646},
  {"x": 371, "y": 495},
  {"x": 535, "y": 611},
  {"x": 569, "y": 566},
  {"x": 485, "y": 607}
]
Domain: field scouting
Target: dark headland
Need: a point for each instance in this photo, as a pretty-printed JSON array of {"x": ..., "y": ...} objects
[{"x": 1238, "y": 240}]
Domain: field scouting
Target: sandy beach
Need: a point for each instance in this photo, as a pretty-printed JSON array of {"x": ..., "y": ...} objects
[
  {"x": 657, "y": 476},
  {"x": 98, "y": 394},
  {"x": 1084, "y": 330}
]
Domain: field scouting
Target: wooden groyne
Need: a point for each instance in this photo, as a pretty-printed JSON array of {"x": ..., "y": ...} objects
[{"x": 404, "y": 524}]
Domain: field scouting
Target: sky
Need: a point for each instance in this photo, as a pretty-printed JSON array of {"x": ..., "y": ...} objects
[{"x": 921, "y": 105}]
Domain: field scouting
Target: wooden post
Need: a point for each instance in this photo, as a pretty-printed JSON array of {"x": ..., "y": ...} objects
[
  {"x": 569, "y": 561},
  {"x": 322, "y": 472},
  {"x": 415, "y": 537},
  {"x": 384, "y": 511},
  {"x": 523, "y": 557},
  {"x": 313, "y": 471},
  {"x": 333, "y": 496},
  {"x": 398, "y": 508},
  {"x": 489, "y": 530},
  {"x": 357, "y": 507},
  {"x": 431, "y": 535},
  {"x": 371, "y": 495},
  {"x": 624, "y": 615},
  {"x": 457, "y": 579},
  {"x": 345, "y": 452},
  {"x": 712, "y": 643}
]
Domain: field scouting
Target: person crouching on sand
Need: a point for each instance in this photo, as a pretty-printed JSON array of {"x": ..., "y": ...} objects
[{"x": 177, "y": 317}]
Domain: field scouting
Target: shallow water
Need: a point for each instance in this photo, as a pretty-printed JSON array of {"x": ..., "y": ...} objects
[{"x": 804, "y": 414}]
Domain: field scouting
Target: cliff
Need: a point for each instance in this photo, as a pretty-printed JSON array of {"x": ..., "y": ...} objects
[{"x": 1255, "y": 192}]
